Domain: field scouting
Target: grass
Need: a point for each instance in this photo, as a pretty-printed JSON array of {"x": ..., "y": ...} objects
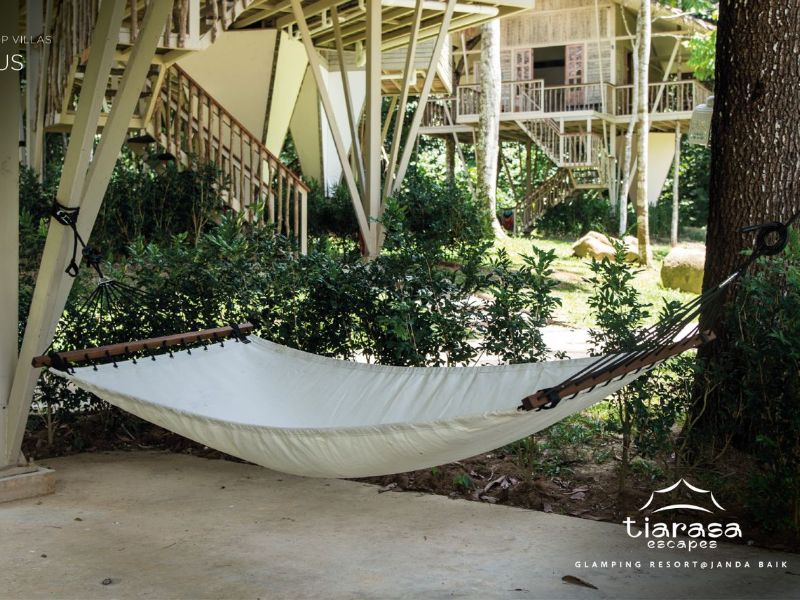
[{"x": 572, "y": 273}]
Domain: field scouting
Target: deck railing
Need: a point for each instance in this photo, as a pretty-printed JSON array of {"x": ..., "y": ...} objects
[
  {"x": 664, "y": 97},
  {"x": 572, "y": 98},
  {"x": 531, "y": 99},
  {"x": 523, "y": 97},
  {"x": 189, "y": 122},
  {"x": 439, "y": 112}
]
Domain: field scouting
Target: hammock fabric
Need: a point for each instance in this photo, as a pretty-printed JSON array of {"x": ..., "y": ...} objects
[{"x": 322, "y": 417}]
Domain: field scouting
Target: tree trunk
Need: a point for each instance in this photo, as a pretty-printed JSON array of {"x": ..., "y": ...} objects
[
  {"x": 450, "y": 159},
  {"x": 755, "y": 143},
  {"x": 488, "y": 134},
  {"x": 643, "y": 31},
  {"x": 627, "y": 152},
  {"x": 676, "y": 193}
]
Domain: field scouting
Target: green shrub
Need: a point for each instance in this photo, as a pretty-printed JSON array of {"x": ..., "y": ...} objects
[
  {"x": 646, "y": 409},
  {"x": 436, "y": 216},
  {"x": 574, "y": 218}
]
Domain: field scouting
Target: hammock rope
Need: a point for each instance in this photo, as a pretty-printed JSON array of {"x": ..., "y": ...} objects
[{"x": 656, "y": 342}]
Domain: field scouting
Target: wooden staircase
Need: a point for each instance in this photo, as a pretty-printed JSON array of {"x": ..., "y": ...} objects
[
  {"x": 189, "y": 124},
  {"x": 186, "y": 122},
  {"x": 557, "y": 188},
  {"x": 581, "y": 161}
]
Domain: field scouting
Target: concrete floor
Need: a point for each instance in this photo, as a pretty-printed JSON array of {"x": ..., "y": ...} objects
[{"x": 172, "y": 526}]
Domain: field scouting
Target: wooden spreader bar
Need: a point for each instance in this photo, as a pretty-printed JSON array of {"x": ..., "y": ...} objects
[
  {"x": 127, "y": 348},
  {"x": 546, "y": 396}
]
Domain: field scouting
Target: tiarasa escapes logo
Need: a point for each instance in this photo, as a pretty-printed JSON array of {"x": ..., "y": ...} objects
[{"x": 687, "y": 498}]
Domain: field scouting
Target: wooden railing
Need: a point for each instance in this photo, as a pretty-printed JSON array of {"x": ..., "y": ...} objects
[
  {"x": 664, "y": 97},
  {"x": 552, "y": 191},
  {"x": 519, "y": 97},
  {"x": 573, "y": 98},
  {"x": 188, "y": 123},
  {"x": 565, "y": 149},
  {"x": 530, "y": 99},
  {"x": 439, "y": 112},
  {"x": 187, "y": 28}
]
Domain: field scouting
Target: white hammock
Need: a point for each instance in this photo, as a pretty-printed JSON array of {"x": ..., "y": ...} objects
[{"x": 321, "y": 417}]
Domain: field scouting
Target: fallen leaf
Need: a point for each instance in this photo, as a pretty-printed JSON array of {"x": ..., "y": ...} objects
[
  {"x": 576, "y": 581},
  {"x": 388, "y": 488},
  {"x": 548, "y": 508},
  {"x": 578, "y": 496}
]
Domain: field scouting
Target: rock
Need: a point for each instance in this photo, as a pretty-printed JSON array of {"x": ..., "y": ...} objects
[
  {"x": 683, "y": 269},
  {"x": 631, "y": 248},
  {"x": 593, "y": 245},
  {"x": 597, "y": 245}
]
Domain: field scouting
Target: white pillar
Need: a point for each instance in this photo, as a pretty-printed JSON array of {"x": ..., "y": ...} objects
[
  {"x": 372, "y": 187},
  {"x": 9, "y": 216},
  {"x": 33, "y": 27},
  {"x": 673, "y": 233},
  {"x": 82, "y": 185}
]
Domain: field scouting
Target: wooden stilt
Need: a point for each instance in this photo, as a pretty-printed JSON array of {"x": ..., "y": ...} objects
[{"x": 81, "y": 189}]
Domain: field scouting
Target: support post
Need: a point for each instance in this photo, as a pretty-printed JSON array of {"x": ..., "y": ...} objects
[
  {"x": 372, "y": 185},
  {"x": 441, "y": 38},
  {"x": 34, "y": 24},
  {"x": 9, "y": 218},
  {"x": 82, "y": 185},
  {"x": 408, "y": 69},
  {"x": 322, "y": 89},
  {"x": 676, "y": 169},
  {"x": 348, "y": 98}
]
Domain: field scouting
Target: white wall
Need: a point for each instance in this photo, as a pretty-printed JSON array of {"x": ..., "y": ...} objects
[
  {"x": 236, "y": 70},
  {"x": 310, "y": 129},
  {"x": 661, "y": 151},
  {"x": 290, "y": 69}
]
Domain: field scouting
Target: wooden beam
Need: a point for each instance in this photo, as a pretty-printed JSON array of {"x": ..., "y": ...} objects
[
  {"x": 401, "y": 111},
  {"x": 442, "y": 37},
  {"x": 316, "y": 71},
  {"x": 591, "y": 380},
  {"x": 88, "y": 355},
  {"x": 308, "y": 11},
  {"x": 80, "y": 189},
  {"x": 665, "y": 76},
  {"x": 263, "y": 13}
]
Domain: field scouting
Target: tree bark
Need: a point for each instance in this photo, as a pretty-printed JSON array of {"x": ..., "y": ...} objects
[
  {"x": 755, "y": 143},
  {"x": 488, "y": 134},
  {"x": 627, "y": 152},
  {"x": 450, "y": 159},
  {"x": 643, "y": 31}
]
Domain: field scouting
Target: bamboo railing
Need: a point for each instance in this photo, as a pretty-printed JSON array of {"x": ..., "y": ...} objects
[{"x": 188, "y": 122}]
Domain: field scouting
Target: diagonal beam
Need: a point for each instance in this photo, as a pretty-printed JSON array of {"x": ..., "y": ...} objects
[
  {"x": 52, "y": 285},
  {"x": 322, "y": 89},
  {"x": 401, "y": 111},
  {"x": 441, "y": 38},
  {"x": 348, "y": 98}
]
